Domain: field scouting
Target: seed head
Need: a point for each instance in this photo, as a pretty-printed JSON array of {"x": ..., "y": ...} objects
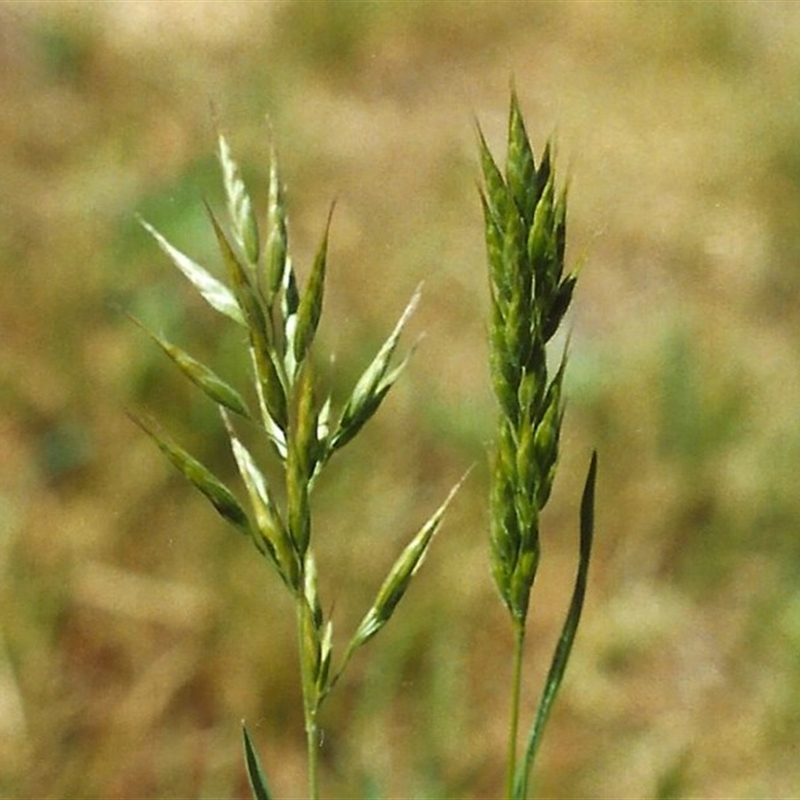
[{"x": 525, "y": 234}]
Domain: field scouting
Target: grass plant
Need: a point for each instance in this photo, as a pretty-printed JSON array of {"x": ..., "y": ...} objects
[
  {"x": 279, "y": 322},
  {"x": 525, "y": 225}
]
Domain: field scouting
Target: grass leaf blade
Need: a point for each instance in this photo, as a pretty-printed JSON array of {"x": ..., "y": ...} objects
[
  {"x": 255, "y": 773},
  {"x": 567, "y": 638}
]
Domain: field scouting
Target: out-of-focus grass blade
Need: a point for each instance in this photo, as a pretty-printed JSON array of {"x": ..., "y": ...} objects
[
  {"x": 216, "y": 294},
  {"x": 203, "y": 479},
  {"x": 255, "y": 774},
  {"x": 564, "y": 646},
  {"x": 201, "y": 375}
]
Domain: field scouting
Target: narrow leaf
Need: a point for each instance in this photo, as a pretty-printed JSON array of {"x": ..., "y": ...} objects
[
  {"x": 213, "y": 386},
  {"x": 203, "y": 479},
  {"x": 564, "y": 647},
  {"x": 215, "y": 293},
  {"x": 255, "y": 774},
  {"x": 240, "y": 207}
]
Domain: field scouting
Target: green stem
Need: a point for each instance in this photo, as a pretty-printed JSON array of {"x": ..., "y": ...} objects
[
  {"x": 516, "y": 689},
  {"x": 312, "y": 744},
  {"x": 310, "y": 705}
]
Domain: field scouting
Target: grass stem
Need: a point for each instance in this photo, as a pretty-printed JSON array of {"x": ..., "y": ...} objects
[
  {"x": 516, "y": 690},
  {"x": 310, "y": 705}
]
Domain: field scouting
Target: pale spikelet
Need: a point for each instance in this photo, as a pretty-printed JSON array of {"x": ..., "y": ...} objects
[
  {"x": 400, "y": 575},
  {"x": 201, "y": 477},
  {"x": 215, "y": 293},
  {"x": 276, "y": 246},
  {"x": 240, "y": 207},
  {"x": 267, "y": 517},
  {"x": 374, "y": 383}
]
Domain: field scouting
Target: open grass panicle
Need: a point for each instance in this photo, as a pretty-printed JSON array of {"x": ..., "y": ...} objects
[{"x": 262, "y": 294}]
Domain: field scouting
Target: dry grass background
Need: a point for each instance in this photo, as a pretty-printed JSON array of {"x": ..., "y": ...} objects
[{"x": 136, "y": 630}]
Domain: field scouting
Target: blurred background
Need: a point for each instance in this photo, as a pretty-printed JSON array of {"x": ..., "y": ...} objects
[{"x": 137, "y": 629}]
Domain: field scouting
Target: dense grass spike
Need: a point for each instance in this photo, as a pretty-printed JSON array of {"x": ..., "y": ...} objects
[{"x": 525, "y": 232}]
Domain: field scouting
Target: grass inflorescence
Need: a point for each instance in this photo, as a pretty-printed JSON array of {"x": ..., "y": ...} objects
[
  {"x": 525, "y": 221},
  {"x": 279, "y": 320},
  {"x": 525, "y": 228}
]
